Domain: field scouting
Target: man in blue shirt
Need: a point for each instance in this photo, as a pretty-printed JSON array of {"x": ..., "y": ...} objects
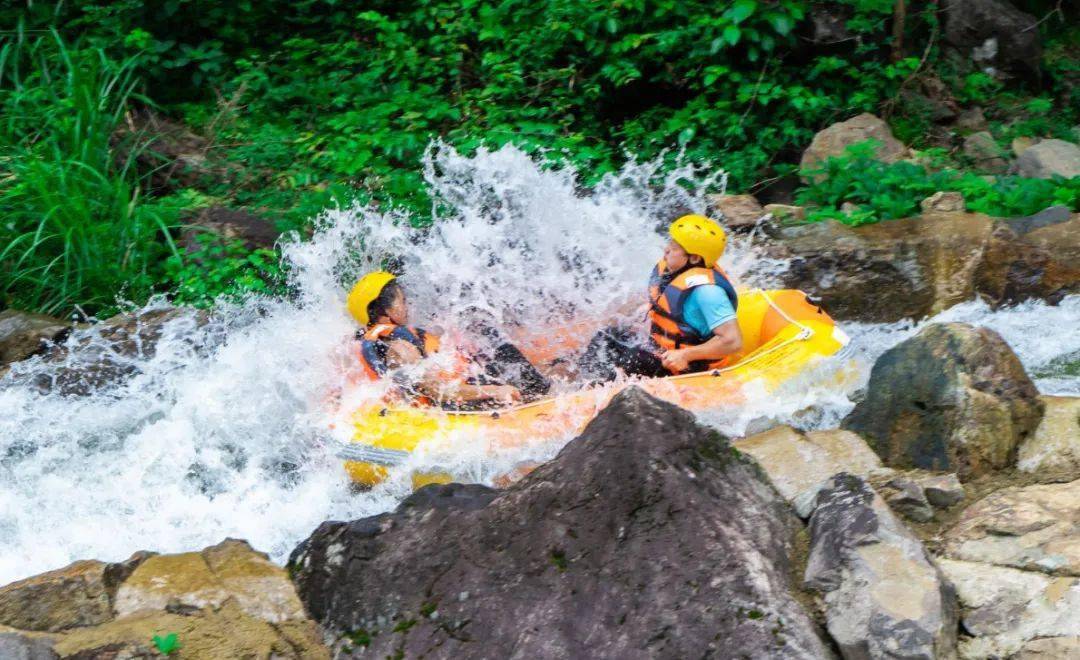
[
  {"x": 708, "y": 307},
  {"x": 693, "y": 326}
]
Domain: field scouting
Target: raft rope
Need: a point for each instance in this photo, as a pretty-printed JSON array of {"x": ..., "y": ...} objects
[{"x": 804, "y": 333}]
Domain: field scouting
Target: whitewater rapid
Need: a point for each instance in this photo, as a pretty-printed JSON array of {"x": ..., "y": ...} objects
[{"x": 226, "y": 430}]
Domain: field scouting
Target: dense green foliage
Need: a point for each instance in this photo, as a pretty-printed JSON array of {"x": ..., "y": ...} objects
[
  {"x": 306, "y": 101},
  {"x": 75, "y": 230},
  {"x": 882, "y": 191},
  {"x": 232, "y": 267}
]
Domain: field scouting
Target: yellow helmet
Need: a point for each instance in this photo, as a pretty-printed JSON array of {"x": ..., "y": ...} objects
[
  {"x": 701, "y": 236},
  {"x": 364, "y": 292}
]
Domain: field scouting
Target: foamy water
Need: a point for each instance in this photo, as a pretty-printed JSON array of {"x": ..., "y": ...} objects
[{"x": 226, "y": 430}]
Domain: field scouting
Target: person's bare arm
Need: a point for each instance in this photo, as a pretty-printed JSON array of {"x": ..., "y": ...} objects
[
  {"x": 632, "y": 308},
  {"x": 401, "y": 353},
  {"x": 459, "y": 392},
  {"x": 435, "y": 385},
  {"x": 726, "y": 340}
]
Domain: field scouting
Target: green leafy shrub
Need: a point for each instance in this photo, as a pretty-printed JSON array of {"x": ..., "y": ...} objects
[
  {"x": 223, "y": 270},
  {"x": 168, "y": 644},
  {"x": 885, "y": 191}
]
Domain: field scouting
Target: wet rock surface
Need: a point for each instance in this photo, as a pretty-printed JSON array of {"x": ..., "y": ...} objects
[
  {"x": 1008, "y": 612},
  {"x": 647, "y": 536},
  {"x": 80, "y": 594},
  {"x": 905, "y": 497},
  {"x": 840, "y": 265},
  {"x": 14, "y": 646},
  {"x": 799, "y": 464},
  {"x": 23, "y": 334},
  {"x": 1053, "y": 452},
  {"x": 1031, "y": 257},
  {"x": 919, "y": 266},
  {"x": 884, "y": 596},
  {"x": 1034, "y": 528},
  {"x": 953, "y": 397},
  {"x": 107, "y": 354}
]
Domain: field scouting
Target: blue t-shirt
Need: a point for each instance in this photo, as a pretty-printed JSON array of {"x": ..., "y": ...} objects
[{"x": 706, "y": 308}]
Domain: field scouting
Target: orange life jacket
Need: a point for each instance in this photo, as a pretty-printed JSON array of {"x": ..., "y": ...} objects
[
  {"x": 375, "y": 342},
  {"x": 667, "y": 295}
]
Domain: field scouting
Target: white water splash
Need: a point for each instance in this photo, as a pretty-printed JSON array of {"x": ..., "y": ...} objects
[{"x": 224, "y": 431}]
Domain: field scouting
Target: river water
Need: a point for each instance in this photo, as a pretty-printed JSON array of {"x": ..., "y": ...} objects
[{"x": 225, "y": 431}]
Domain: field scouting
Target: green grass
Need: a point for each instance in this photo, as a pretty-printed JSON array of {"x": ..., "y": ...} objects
[{"x": 75, "y": 231}]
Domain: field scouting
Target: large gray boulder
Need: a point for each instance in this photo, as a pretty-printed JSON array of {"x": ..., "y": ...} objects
[
  {"x": 884, "y": 596},
  {"x": 993, "y": 32},
  {"x": 1048, "y": 159},
  {"x": 647, "y": 537},
  {"x": 952, "y": 398}
]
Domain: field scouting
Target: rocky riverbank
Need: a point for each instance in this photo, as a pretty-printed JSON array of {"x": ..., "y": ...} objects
[
  {"x": 920, "y": 265},
  {"x": 942, "y": 520}
]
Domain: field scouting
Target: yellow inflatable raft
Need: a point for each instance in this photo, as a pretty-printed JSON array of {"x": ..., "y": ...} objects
[{"x": 784, "y": 334}]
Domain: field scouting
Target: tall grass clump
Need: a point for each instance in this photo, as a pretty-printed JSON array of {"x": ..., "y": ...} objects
[{"x": 74, "y": 230}]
